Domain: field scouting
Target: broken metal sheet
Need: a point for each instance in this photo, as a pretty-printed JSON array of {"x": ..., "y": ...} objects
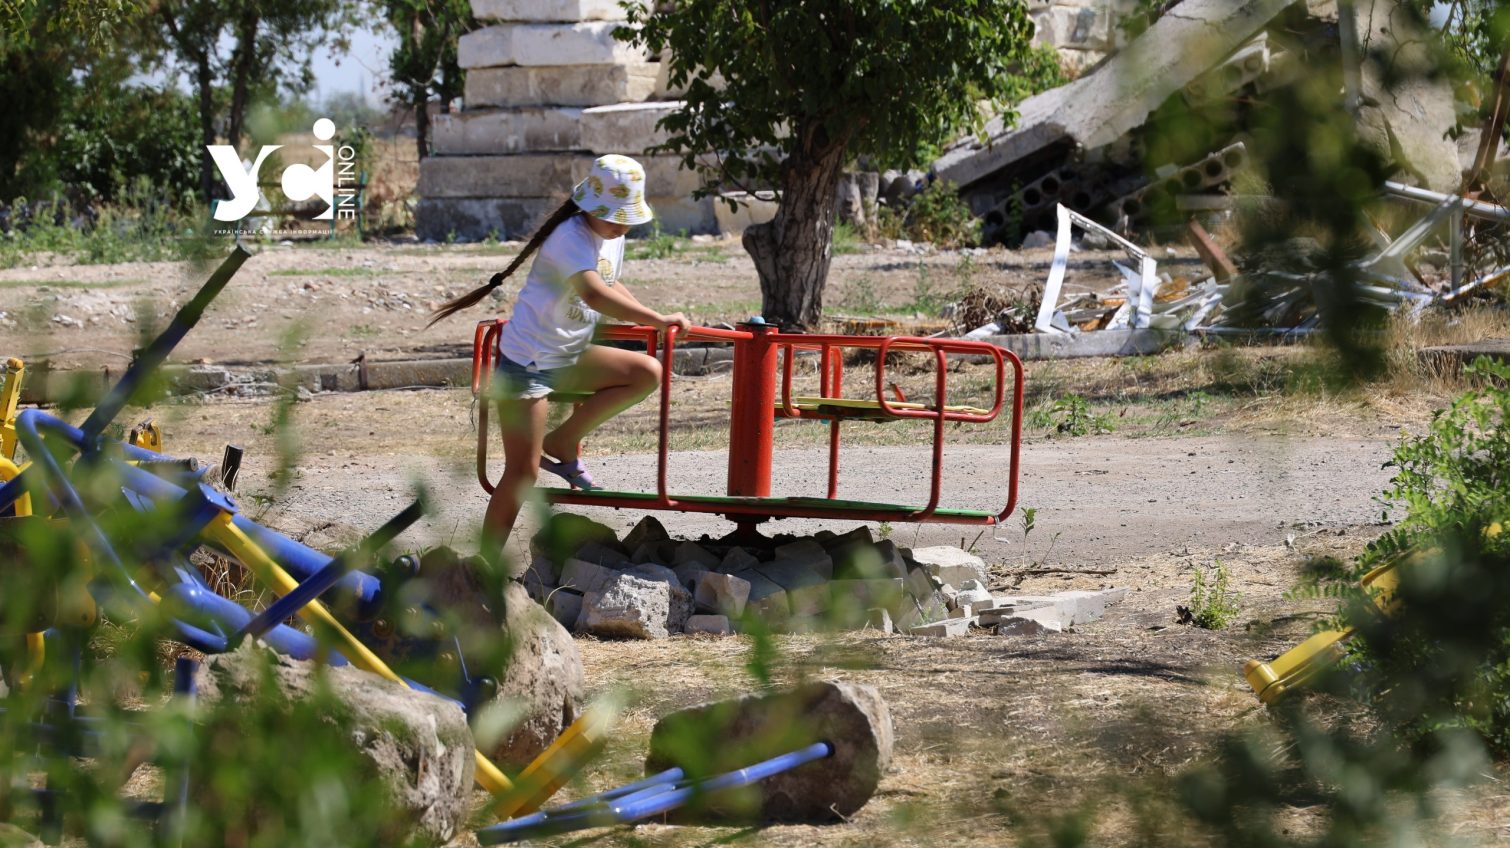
[{"x": 1141, "y": 286}]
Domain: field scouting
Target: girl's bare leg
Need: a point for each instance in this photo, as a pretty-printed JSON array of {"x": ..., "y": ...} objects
[
  {"x": 618, "y": 379},
  {"x": 523, "y": 424}
]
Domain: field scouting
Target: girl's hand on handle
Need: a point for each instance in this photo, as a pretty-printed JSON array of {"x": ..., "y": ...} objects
[{"x": 677, "y": 320}]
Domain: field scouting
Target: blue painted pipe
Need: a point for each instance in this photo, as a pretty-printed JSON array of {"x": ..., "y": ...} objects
[{"x": 652, "y": 801}]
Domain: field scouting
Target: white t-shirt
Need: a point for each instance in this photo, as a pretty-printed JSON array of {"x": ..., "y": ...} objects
[{"x": 551, "y": 326}]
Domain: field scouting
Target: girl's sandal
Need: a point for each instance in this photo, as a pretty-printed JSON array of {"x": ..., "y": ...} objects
[{"x": 573, "y": 472}]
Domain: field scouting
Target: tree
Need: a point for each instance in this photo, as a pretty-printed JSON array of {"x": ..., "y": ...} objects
[
  {"x": 808, "y": 86},
  {"x": 251, "y": 46},
  {"x": 424, "y": 64}
]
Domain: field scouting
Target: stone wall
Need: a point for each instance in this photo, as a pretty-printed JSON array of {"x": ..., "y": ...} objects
[{"x": 549, "y": 88}]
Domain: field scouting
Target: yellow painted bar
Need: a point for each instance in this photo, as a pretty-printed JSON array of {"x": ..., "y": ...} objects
[
  {"x": 241, "y": 546},
  {"x": 9, "y": 470},
  {"x": 556, "y": 764},
  {"x": 10, "y": 398}
]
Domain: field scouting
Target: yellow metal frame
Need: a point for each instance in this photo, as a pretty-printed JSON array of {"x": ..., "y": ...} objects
[
  {"x": 10, "y": 398},
  {"x": 537, "y": 782},
  {"x": 1302, "y": 663}
]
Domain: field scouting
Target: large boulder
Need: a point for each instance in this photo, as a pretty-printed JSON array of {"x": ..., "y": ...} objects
[
  {"x": 719, "y": 737},
  {"x": 404, "y": 757},
  {"x": 508, "y": 635}
]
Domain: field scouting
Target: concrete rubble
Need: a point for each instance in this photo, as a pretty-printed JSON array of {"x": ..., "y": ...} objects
[
  {"x": 848, "y": 581},
  {"x": 1086, "y": 145}
]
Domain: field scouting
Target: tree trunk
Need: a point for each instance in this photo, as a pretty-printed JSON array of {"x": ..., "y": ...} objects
[
  {"x": 793, "y": 251},
  {"x": 205, "y": 80},
  {"x": 421, "y": 94},
  {"x": 242, "y": 63},
  {"x": 422, "y": 127}
]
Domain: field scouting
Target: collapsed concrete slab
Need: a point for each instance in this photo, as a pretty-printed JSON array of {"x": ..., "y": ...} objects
[{"x": 1106, "y": 104}]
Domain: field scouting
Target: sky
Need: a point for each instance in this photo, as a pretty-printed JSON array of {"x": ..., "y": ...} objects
[{"x": 363, "y": 70}]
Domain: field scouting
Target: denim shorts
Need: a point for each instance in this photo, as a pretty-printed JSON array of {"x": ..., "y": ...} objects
[{"x": 520, "y": 382}]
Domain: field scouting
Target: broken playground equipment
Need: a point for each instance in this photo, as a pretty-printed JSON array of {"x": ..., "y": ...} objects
[
  {"x": 349, "y": 605},
  {"x": 761, "y": 351}
]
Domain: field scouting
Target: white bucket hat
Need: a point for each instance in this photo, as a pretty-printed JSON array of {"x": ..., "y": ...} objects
[{"x": 614, "y": 190}]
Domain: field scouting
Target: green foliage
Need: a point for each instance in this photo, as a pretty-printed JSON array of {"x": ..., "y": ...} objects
[
  {"x": 140, "y": 229},
  {"x": 1070, "y": 415},
  {"x": 658, "y": 244},
  {"x": 1213, "y": 605},
  {"x": 937, "y": 215},
  {"x": 1453, "y": 635},
  {"x": 846, "y": 239},
  {"x": 836, "y": 76},
  {"x": 423, "y": 67},
  {"x": 1476, "y": 32},
  {"x": 139, "y": 135}
]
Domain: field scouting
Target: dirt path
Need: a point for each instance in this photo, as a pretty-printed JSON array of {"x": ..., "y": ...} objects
[{"x": 1108, "y": 499}]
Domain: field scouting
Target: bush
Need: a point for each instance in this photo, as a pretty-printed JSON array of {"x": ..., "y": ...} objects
[
  {"x": 1450, "y": 639},
  {"x": 142, "y": 135},
  {"x": 937, "y": 215}
]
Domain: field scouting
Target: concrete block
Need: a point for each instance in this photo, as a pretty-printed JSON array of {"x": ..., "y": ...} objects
[
  {"x": 690, "y": 574},
  {"x": 805, "y": 553},
  {"x": 951, "y": 565},
  {"x": 661, "y": 552},
  {"x": 722, "y": 593},
  {"x": 851, "y": 717},
  {"x": 529, "y": 129},
  {"x": 630, "y": 607},
  {"x": 712, "y": 625},
  {"x": 975, "y": 597},
  {"x": 767, "y": 599},
  {"x": 695, "y": 554},
  {"x": 737, "y": 560},
  {"x": 886, "y": 593},
  {"x": 858, "y": 536},
  {"x": 880, "y": 619},
  {"x": 628, "y": 128},
  {"x": 598, "y": 553},
  {"x": 920, "y": 584},
  {"x": 1073, "y": 607},
  {"x": 565, "y": 606},
  {"x": 809, "y": 601},
  {"x": 587, "y": 43},
  {"x": 529, "y": 175},
  {"x": 682, "y": 215},
  {"x": 647, "y": 530},
  {"x": 438, "y": 219},
  {"x": 560, "y": 85},
  {"x": 539, "y": 578},
  {"x": 1021, "y": 626},
  {"x": 916, "y": 611},
  {"x": 547, "y": 10},
  {"x": 789, "y": 574},
  {"x": 586, "y": 576},
  {"x": 947, "y": 627},
  {"x": 749, "y": 211}
]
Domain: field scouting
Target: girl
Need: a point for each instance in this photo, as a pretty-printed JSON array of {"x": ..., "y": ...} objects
[{"x": 547, "y": 344}]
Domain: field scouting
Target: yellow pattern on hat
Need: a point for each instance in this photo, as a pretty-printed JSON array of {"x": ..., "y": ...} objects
[{"x": 614, "y": 190}]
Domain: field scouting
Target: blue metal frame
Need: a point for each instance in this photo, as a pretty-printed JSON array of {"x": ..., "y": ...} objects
[{"x": 653, "y": 796}]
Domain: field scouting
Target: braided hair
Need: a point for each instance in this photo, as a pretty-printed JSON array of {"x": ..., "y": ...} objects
[{"x": 562, "y": 214}]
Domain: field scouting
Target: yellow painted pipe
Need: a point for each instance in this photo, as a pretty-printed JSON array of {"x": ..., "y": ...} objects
[
  {"x": 9, "y": 471},
  {"x": 241, "y": 546},
  {"x": 545, "y": 776}
]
